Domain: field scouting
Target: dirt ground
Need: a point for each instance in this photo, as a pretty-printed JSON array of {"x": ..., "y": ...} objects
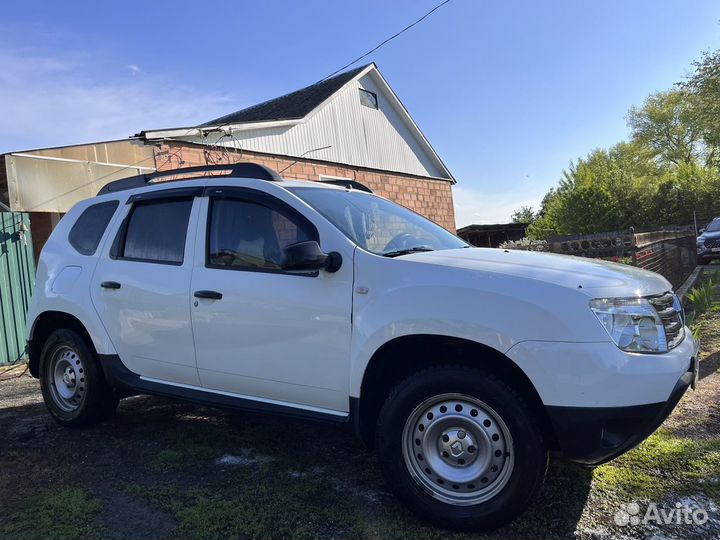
[{"x": 164, "y": 469}]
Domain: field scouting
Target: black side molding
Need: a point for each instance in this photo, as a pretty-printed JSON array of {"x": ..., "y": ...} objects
[{"x": 128, "y": 382}]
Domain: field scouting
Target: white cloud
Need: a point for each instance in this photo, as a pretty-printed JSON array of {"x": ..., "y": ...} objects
[
  {"x": 473, "y": 206},
  {"x": 134, "y": 69},
  {"x": 50, "y": 101}
]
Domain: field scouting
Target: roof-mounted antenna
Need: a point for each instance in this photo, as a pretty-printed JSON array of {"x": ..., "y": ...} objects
[{"x": 304, "y": 154}]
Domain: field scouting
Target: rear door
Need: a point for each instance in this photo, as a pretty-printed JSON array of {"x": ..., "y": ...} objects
[{"x": 140, "y": 287}]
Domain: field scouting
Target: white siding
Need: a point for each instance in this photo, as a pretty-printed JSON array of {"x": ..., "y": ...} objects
[{"x": 357, "y": 135}]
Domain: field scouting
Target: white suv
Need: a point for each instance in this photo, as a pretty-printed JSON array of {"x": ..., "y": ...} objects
[{"x": 463, "y": 367}]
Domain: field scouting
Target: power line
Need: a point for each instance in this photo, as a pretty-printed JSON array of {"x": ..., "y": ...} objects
[
  {"x": 200, "y": 126},
  {"x": 408, "y": 27}
]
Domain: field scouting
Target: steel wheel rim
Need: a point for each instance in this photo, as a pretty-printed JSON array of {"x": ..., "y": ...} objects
[
  {"x": 67, "y": 379},
  {"x": 458, "y": 448}
]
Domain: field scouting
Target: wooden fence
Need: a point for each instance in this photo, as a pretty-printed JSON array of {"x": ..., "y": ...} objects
[{"x": 670, "y": 251}]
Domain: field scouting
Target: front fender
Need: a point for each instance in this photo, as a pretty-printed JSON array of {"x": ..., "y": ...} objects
[
  {"x": 365, "y": 346},
  {"x": 399, "y": 297}
]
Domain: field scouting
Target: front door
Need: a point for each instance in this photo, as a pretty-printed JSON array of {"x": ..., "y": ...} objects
[
  {"x": 261, "y": 332},
  {"x": 141, "y": 286}
]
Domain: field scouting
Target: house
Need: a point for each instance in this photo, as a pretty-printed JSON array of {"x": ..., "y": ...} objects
[{"x": 349, "y": 127}]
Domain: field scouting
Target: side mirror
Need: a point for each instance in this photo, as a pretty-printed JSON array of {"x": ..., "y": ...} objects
[{"x": 308, "y": 257}]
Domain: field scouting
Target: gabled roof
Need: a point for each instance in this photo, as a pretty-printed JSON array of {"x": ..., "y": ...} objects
[
  {"x": 291, "y": 106},
  {"x": 320, "y": 119}
]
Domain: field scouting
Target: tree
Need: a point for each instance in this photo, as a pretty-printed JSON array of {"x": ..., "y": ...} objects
[
  {"x": 525, "y": 214},
  {"x": 704, "y": 86},
  {"x": 667, "y": 125},
  {"x": 668, "y": 169},
  {"x": 587, "y": 207}
]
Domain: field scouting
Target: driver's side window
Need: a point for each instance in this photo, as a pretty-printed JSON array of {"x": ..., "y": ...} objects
[{"x": 249, "y": 235}]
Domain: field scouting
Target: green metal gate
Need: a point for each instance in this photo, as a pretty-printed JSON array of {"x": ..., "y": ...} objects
[{"x": 17, "y": 278}]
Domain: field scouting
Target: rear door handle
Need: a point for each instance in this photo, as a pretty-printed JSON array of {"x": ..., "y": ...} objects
[
  {"x": 110, "y": 285},
  {"x": 212, "y": 295}
]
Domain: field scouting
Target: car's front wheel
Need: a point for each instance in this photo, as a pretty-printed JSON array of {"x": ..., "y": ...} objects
[
  {"x": 72, "y": 385},
  {"x": 460, "y": 448}
]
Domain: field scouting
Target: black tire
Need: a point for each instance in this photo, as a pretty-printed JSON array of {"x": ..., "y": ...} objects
[
  {"x": 93, "y": 400},
  {"x": 524, "y": 474}
]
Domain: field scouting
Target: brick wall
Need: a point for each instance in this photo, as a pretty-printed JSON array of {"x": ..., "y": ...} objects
[
  {"x": 431, "y": 198},
  {"x": 41, "y": 225}
]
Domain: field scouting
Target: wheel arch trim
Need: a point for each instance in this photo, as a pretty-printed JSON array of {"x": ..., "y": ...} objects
[
  {"x": 51, "y": 319},
  {"x": 379, "y": 376}
]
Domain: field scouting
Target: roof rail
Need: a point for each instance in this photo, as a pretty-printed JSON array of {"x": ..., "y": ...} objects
[
  {"x": 353, "y": 184},
  {"x": 244, "y": 170}
]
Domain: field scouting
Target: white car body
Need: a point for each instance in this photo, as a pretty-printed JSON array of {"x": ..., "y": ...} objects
[{"x": 304, "y": 344}]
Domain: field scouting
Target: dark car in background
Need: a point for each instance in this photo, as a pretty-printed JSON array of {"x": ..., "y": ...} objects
[{"x": 708, "y": 243}]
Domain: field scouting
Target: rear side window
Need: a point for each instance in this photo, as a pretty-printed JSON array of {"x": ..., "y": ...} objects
[
  {"x": 155, "y": 231},
  {"x": 85, "y": 235}
]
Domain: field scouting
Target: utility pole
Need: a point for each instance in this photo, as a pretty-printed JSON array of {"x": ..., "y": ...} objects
[{"x": 695, "y": 221}]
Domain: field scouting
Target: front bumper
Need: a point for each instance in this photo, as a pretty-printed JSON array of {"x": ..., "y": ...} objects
[
  {"x": 707, "y": 254},
  {"x": 593, "y": 436}
]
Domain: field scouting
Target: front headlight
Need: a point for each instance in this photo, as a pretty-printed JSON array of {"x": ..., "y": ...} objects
[{"x": 633, "y": 324}]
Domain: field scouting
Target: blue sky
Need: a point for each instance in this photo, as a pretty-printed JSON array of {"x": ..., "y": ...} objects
[{"x": 507, "y": 92}]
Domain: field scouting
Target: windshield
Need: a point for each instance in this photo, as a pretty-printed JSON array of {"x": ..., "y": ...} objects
[
  {"x": 714, "y": 226},
  {"x": 378, "y": 225}
]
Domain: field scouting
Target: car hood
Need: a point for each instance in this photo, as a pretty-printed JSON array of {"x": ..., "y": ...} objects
[
  {"x": 714, "y": 235},
  {"x": 589, "y": 275}
]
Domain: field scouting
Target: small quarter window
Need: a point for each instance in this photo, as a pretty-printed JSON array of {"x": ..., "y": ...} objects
[
  {"x": 156, "y": 231},
  {"x": 89, "y": 228},
  {"x": 248, "y": 235},
  {"x": 369, "y": 99}
]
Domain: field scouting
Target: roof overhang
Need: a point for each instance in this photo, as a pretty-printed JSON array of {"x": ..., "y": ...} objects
[
  {"x": 492, "y": 227},
  {"x": 41, "y": 183},
  {"x": 399, "y": 105},
  {"x": 199, "y": 131}
]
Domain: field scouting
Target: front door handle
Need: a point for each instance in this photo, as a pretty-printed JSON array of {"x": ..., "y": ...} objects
[
  {"x": 212, "y": 295},
  {"x": 110, "y": 285}
]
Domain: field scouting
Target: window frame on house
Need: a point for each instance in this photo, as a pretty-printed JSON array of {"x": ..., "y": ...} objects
[{"x": 373, "y": 96}]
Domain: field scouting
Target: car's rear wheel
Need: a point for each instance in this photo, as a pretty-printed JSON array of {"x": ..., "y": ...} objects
[
  {"x": 461, "y": 448},
  {"x": 72, "y": 385}
]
